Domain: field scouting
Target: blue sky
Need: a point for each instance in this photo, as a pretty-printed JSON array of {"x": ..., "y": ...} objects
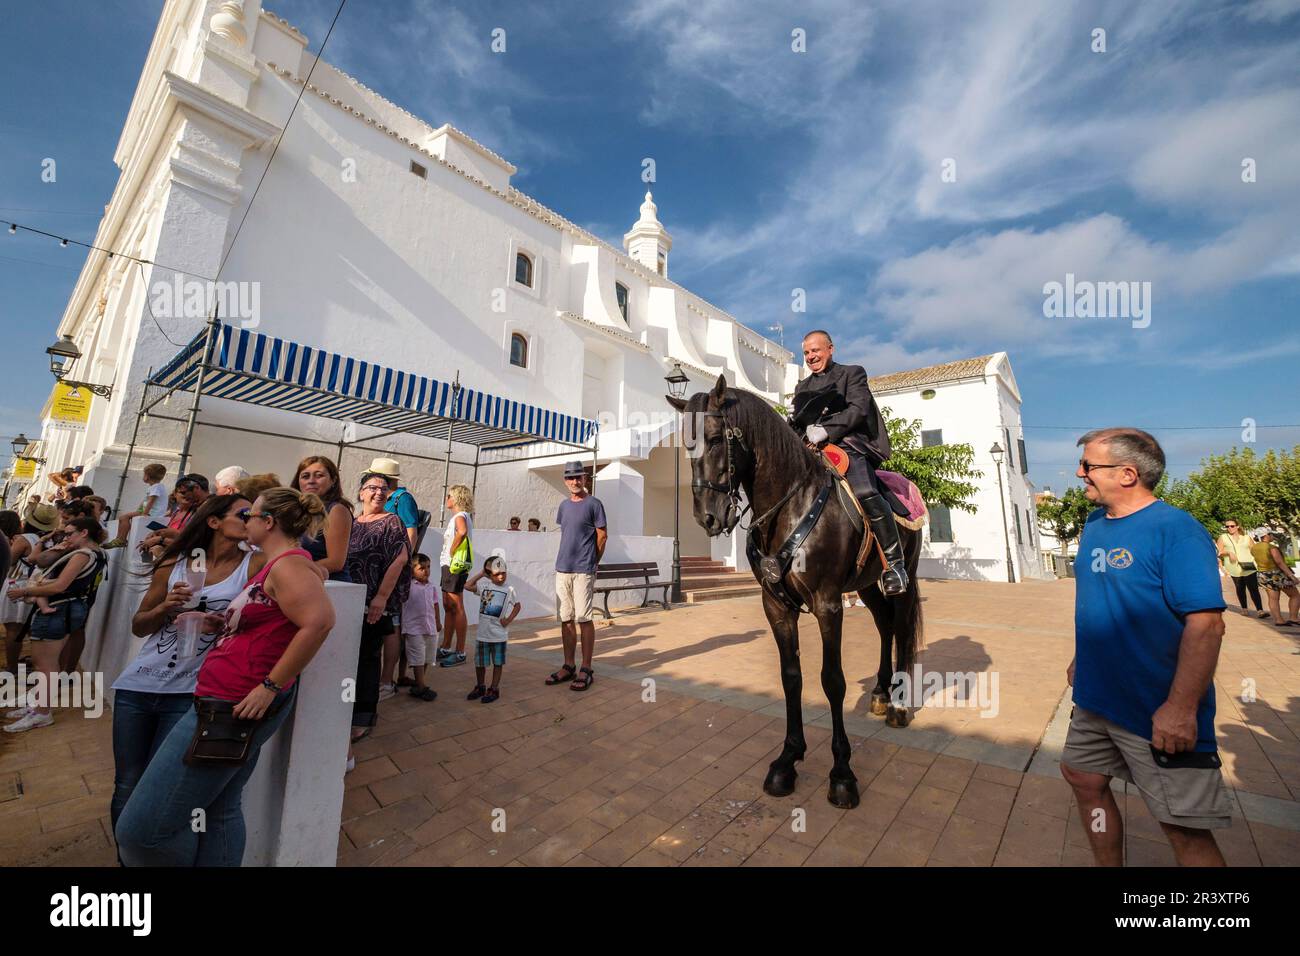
[{"x": 819, "y": 170}]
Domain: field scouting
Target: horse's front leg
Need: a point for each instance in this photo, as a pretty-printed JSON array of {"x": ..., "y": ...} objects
[
  {"x": 785, "y": 628},
  {"x": 843, "y": 790}
]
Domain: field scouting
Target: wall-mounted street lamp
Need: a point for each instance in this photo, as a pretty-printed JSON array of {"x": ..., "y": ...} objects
[
  {"x": 19, "y": 446},
  {"x": 677, "y": 381},
  {"x": 997, "y": 453},
  {"x": 63, "y": 355}
]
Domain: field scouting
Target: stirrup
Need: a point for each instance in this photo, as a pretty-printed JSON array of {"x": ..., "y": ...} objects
[{"x": 893, "y": 582}]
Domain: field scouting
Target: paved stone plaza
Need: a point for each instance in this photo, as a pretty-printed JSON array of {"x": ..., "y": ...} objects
[{"x": 608, "y": 778}]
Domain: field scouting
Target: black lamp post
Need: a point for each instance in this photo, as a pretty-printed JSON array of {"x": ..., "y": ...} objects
[
  {"x": 63, "y": 355},
  {"x": 997, "y": 453},
  {"x": 19, "y": 445},
  {"x": 677, "y": 382}
]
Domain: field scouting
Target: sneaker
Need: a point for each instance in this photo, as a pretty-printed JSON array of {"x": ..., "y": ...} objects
[
  {"x": 476, "y": 693},
  {"x": 17, "y": 712},
  {"x": 859, "y": 603},
  {"x": 453, "y": 658},
  {"x": 490, "y": 695},
  {"x": 387, "y": 691},
  {"x": 442, "y": 652},
  {"x": 30, "y": 722}
]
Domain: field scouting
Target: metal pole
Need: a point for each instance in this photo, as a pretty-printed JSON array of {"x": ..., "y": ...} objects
[
  {"x": 677, "y": 530},
  {"x": 1006, "y": 535},
  {"x": 208, "y": 343},
  {"x": 451, "y": 425},
  {"x": 130, "y": 449},
  {"x": 474, "y": 487}
]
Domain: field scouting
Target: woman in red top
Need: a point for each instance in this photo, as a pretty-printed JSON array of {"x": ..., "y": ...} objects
[{"x": 269, "y": 634}]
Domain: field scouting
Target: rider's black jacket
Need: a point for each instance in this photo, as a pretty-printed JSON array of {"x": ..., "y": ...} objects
[{"x": 854, "y": 422}]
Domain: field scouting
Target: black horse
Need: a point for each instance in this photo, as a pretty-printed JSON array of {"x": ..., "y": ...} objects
[{"x": 736, "y": 441}]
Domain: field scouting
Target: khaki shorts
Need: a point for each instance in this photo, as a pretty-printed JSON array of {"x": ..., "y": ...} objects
[
  {"x": 575, "y": 593},
  {"x": 1193, "y": 797}
]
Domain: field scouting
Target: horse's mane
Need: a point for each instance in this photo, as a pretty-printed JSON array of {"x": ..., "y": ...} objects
[{"x": 765, "y": 429}]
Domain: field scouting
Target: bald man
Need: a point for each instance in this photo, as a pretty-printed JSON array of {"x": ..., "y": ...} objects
[{"x": 835, "y": 404}]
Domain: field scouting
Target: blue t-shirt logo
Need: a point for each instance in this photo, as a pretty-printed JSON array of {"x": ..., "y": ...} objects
[{"x": 1119, "y": 558}]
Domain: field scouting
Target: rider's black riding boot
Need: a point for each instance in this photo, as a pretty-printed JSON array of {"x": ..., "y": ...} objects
[{"x": 894, "y": 580}]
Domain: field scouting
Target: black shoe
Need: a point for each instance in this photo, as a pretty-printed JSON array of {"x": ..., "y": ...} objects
[
  {"x": 894, "y": 580},
  {"x": 476, "y": 693}
]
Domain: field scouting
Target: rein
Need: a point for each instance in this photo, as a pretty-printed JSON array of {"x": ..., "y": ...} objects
[{"x": 772, "y": 569}]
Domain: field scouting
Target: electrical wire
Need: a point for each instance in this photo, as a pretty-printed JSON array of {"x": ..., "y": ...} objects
[{"x": 65, "y": 241}]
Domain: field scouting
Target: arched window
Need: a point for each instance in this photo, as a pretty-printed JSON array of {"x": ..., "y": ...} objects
[
  {"x": 519, "y": 350},
  {"x": 523, "y": 269},
  {"x": 620, "y": 293}
]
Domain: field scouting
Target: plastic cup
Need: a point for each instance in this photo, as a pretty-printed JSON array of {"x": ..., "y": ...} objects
[
  {"x": 195, "y": 579},
  {"x": 188, "y": 628}
]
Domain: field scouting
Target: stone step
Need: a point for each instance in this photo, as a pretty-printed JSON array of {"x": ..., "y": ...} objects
[
  {"x": 697, "y": 595},
  {"x": 699, "y": 581}
]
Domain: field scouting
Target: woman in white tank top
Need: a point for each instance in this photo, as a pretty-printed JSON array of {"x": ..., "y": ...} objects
[{"x": 157, "y": 688}]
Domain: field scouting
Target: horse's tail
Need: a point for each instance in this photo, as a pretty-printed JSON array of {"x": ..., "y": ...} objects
[{"x": 909, "y": 624}]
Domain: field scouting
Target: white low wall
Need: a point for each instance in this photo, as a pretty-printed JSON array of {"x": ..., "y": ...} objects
[
  {"x": 530, "y": 558},
  {"x": 294, "y": 801}
]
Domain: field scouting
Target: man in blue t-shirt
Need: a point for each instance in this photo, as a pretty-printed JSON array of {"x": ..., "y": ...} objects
[
  {"x": 400, "y": 501},
  {"x": 581, "y": 518},
  {"x": 1148, "y": 625}
]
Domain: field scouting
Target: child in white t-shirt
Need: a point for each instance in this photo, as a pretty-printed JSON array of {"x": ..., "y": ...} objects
[
  {"x": 421, "y": 625},
  {"x": 154, "y": 504},
  {"x": 498, "y": 606}
]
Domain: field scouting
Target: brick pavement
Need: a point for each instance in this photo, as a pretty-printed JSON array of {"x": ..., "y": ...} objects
[{"x": 609, "y": 778}]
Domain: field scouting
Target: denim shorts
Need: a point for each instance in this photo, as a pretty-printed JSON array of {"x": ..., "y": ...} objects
[{"x": 62, "y": 621}]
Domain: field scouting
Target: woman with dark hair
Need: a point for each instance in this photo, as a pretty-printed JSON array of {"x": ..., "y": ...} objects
[
  {"x": 156, "y": 689},
  {"x": 13, "y": 614},
  {"x": 66, "y": 586},
  {"x": 246, "y": 689},
  {"x": 379, "y": 554},
  {"x": 319, "y": 476}
]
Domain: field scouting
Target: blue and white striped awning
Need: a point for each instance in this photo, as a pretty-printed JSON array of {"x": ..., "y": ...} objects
[{"x": 247, "y": 366}]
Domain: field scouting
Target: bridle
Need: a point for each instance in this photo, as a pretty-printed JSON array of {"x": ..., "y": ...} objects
[
  {"x": 735, "y": 437},
  {"x": 731, "y": 489}
]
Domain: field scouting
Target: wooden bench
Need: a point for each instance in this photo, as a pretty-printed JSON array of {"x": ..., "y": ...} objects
[{"x": 642, "y": 570}]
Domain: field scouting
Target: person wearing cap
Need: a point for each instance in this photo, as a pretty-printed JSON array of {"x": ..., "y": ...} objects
[
  {"x": 400, "y": 501},
  {"x": 498, "y": 606},
  {"x": 581, "y": 518},
  {"x": 1276, "y": 578}
]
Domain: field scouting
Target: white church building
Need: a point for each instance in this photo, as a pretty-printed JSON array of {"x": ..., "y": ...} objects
[{"x": 401, "y": 251}]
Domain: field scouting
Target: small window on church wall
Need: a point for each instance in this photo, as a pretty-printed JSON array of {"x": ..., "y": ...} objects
[
  {"x": 419, "y": 170},
  {"x": 663, "y": 264},
  {"x": 620, "y": 292},
  {"x": 523, "y": 270},
  {"x": 519, "y": 350}
]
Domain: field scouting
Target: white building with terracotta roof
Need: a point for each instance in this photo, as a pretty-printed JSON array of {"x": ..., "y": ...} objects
[{"x": 377, "y": 235}]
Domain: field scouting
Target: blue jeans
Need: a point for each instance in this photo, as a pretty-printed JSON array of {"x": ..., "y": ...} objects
[
  {"x": 156, "y": 827},
  {"x": 141, "y": 722}
]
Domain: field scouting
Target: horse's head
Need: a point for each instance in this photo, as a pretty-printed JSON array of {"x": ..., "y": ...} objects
[{"x": 718, "y": 455}]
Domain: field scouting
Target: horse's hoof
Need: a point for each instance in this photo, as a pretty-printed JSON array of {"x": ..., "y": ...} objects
[
  {"x": 843, "y": 794},
  {"x": 879, "y": 704},
  {"x": 780, "y": 781},
  {"x": 898, "y": 717}
]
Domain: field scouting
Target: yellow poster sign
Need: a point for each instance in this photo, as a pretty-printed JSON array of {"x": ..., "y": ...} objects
[
  {"x": 70, "y": 406},
  {"x": 24, "y": 469}
]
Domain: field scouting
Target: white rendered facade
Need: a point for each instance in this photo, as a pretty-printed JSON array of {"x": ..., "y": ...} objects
[{"x": 352, "y": 248}]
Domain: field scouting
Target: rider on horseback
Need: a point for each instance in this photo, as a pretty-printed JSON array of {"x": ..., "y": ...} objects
[{"x": 835, "y": 404}]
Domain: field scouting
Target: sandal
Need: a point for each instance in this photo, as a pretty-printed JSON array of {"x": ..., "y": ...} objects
[
  {"x": 584, "y": 680},
  {"x": 561, "y": 677},
  {"x": 491, "y": 695},
  {"x": 423, "y": 693},
  {"x": 476, "y": 693}
]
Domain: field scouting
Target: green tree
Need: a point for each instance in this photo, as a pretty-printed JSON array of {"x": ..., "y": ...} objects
[
  {"x": 1241, "y": 485},
  {"x": 942, "y": 473},
  {"x": 1064, "y": 517}
]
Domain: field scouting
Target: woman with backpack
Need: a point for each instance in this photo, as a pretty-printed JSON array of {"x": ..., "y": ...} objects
[{"x": 66, "y": 587}]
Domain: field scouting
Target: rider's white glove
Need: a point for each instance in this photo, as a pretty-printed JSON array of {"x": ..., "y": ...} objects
[{"x": 815, "y": 434}]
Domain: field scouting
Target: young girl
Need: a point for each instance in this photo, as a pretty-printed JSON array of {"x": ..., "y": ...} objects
[
  {"x": 498, "y": 606},
  {"x": 421, "y": 624}
]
